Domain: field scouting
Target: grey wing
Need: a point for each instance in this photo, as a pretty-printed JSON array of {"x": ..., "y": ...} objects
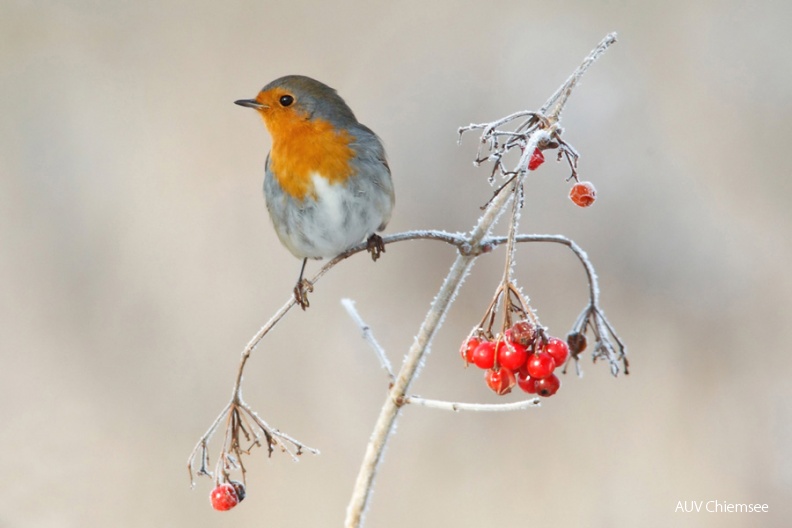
[{"x": 373, "y": 161}]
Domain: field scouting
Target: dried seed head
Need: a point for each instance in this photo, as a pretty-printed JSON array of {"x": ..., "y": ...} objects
[
  {"x": 239, "y": 488},
  {"x": 577, "y": 343}
]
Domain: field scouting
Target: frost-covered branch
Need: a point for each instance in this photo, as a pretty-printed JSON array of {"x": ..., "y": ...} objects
[
  {"x": 478, "y": 407},
  {"x": 368, "y": 335}
]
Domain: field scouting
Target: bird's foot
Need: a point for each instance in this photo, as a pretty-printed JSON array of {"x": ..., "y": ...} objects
[
  {"x": 301, "y": 291},
  {"x": 375, "y": 246}
]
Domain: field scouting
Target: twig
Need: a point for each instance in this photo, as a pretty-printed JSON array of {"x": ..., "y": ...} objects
[
  {"x": 202, "y": 445},
  {"x": 555, "y": 104},
  {"x": 280, "y": 439},
  {"x": 237, "y": 413},
  {"x": 368, "y": 335},
  {"x": 479, "y": 407},
  {"x": 456, "y": 240}
]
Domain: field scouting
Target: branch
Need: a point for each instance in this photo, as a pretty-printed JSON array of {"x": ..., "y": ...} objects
[
  {"x": 368, "y": 335},
  {"x": 558, "y": 100},
  {"x": 591, "y": 274},
  {"x": 479, "y": 407},
  {"x": 453, "y": 239},
  {"x": 202, "y": 445}
]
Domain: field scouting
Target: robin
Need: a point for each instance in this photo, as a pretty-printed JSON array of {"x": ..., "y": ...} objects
[{"x": 327, "y": 182}]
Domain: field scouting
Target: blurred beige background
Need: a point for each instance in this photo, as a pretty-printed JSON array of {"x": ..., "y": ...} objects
[{"x": 136, "y": 260}]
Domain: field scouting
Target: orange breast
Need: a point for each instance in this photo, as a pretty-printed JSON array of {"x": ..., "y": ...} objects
[{"x": 302, "y": 147}]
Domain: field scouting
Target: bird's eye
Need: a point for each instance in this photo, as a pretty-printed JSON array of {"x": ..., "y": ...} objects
[{"x": 286, "y": 100}]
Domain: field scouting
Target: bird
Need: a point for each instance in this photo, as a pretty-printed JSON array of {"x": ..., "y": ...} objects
[{"x": 327, "y": 183}]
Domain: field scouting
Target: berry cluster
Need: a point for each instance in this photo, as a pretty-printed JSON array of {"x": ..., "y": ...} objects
[
  {"x": 520, "y": 356},
  {"x": 227, "y": 495}
]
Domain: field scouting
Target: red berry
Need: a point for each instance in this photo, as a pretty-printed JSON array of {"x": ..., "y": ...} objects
[
  {"x": 500, "y": 381},
  {"x": 467, "y": 349},
  {"x": 526, "y": 382},
  {"x": 583, "y": 194},
  {"x": 540, "y": 365},
  {"x": 484, "y": 355},
  {"x": 511, "y": 355},
  {"x": 224, "y": 497},
  {"x": 522, "y": 332},
  {"x": 537, "y": 158},
  {"x": 558, "y": 349},
  {"x": 547, "y": 386}
]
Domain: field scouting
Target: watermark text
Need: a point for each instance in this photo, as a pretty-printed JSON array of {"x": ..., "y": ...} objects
[{"x": 716, "y": 506}]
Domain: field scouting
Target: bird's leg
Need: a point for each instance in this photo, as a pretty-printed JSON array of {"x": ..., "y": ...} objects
[
  {"x": 302, "y": 288},
  {"x": 375, "y": 246}
]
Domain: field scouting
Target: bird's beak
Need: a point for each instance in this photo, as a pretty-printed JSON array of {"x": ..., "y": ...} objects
[{"x": 251, "y": 103}]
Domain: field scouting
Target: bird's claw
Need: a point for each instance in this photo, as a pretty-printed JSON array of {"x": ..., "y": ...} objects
[
  {"x": 301, "y": 291},
  {"x": 375, "y": 246}
]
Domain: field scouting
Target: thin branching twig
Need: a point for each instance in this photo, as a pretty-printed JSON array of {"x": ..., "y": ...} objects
[{"x": 368, "y": 335}]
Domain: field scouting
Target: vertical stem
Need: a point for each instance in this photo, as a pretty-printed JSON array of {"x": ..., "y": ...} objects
[{"x": 390, "y": 409}]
